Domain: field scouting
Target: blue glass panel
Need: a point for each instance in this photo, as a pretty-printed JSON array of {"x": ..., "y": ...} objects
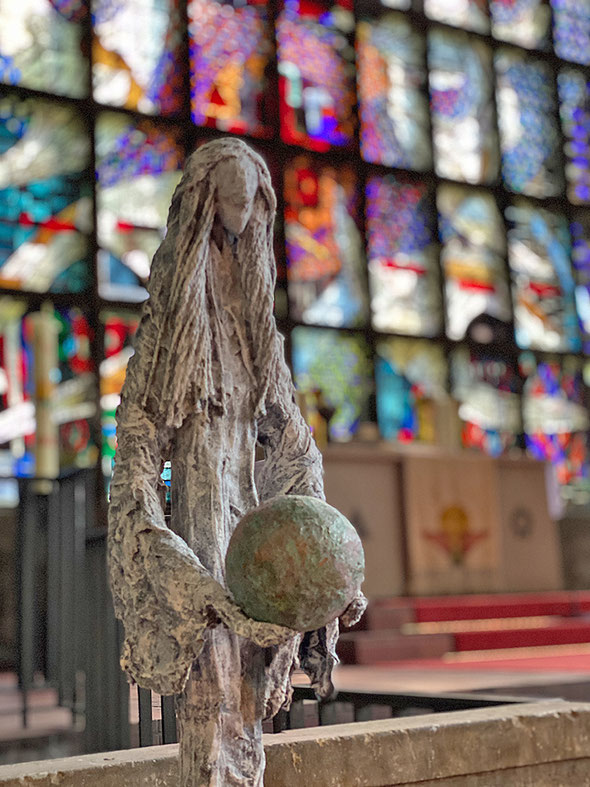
[
  {"x": 470, "y": 14},
  {"x": 522, "y": 22},
  {"x": 411, "y": 375},
  {"x": 571, "y": 30},
  {"x": 580, "y": 230},
  {"x": 487, "y": 388},
  {"x": 137, "y": 55},
  {"x": 472, "y": 255},
  {"x": 403, "y": 269},
  {"x": 539, "y": 251},
  {"x": 556, "y": 421},
  {"x": 338, "y": 365},
  {"x": 529, "y": 131},
  {"x": 119, "y": 329},
  {"x": 463, "y": 119},
  {"x": 138, "y": 168},
  {"x": 230, "y": 49},
  {"x": 316, "y": 75},
  {"x": 393, "y": 108},
  {"x": 73, "y": 398},
  {"x": 45, "y": 205},
  {"x": 574, "y": 105},
  {"x": 41, "y": 45},
  {"x": 325, "y": 256}
]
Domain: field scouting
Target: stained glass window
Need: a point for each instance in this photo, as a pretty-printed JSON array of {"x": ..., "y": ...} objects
[
  {"x": 580, "y": 231},
  {"x": 463, "y": 121},
  {"x": 17, "y": 412},
  {"x": 119, "y": 329},
  {"x": 72, "y": 399},
  {"x": 75, "y": 395},
  {"x": 325, "y": 257},
  {"x": 316, "y": 74},
  {"x": 471, "y": 14},
  {"x": 522, "y": 22},
  {"x": 136, "y": 50},
  {"x": 338, "y": 365},
  {"x": 556, "y": 420},
  {"x": 392, "y": 105},
  {"x": 472, "y": 255},
  {"x": 411, "y": 376},
  {"x": 403, "y": 272},
  {"x": 137, "y": 170},
  {"x": 487, "y": 388},
  {"x": 230, "y": 48},
  {"x": 528, "y": 126},
  {"x": 543, "y": 284},
  {"x": 571, "y": 30},
  {"x": 45, "y": 202},
  {"x": 574, "y": 104},
  {"x": 41, "y": 45}
]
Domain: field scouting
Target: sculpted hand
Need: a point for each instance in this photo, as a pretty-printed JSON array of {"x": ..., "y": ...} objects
[{"x": 263, "y": 634}]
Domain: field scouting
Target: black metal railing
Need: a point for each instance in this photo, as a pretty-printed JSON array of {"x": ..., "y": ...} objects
[
  {"x": 67, "y": 631},
  {"x": 307, "y": 711}
]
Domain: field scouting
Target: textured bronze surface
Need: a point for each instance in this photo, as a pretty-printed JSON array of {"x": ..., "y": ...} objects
[{"x": 295, "y": 561}]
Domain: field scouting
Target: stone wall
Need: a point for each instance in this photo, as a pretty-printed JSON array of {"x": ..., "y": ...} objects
[{"x": 541, "y": 744}]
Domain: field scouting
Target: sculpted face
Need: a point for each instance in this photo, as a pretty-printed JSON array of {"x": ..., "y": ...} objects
[{"x": 237, "y": 182}]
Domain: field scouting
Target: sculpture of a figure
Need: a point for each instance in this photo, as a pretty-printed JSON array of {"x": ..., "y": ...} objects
[{"x": 207, "y": 383}]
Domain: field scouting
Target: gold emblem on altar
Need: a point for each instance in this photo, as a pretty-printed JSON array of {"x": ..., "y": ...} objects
[{"x": 455, "y": 534}]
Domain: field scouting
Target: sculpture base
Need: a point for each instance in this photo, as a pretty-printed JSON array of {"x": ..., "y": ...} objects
[{"x": 538, "y": 744}]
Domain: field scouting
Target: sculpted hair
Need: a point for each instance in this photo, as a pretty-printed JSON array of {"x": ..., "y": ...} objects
[{"x": 180, "y": 349}]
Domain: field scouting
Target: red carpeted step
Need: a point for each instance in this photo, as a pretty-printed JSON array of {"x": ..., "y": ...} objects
[
  {"x": 563, "y": 633},
  {"x": 491, "y": 605}
]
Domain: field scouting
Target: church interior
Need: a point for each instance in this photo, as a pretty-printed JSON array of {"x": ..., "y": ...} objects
[{"x": 431, "y": 163}]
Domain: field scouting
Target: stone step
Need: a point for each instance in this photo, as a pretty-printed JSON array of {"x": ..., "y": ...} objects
[{"x": 373, "y": 647}]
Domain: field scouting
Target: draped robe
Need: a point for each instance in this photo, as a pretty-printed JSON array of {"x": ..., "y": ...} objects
[{"x": 183, "y": 633}]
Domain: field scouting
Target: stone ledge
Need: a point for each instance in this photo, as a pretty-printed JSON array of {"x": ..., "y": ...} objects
[{"x": 541, "y": 744}]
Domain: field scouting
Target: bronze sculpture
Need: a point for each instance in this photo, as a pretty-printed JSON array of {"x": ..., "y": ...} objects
[{"x": 208, "y": 381}]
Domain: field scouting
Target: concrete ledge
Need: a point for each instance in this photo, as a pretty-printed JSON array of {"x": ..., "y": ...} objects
[{"x": 541, "y": 744}]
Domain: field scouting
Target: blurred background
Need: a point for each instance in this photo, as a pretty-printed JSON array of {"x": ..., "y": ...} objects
[{"x": 431, "y": 160}]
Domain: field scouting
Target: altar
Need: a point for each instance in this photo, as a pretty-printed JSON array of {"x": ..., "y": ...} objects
[{"x": 435, "y": 521}]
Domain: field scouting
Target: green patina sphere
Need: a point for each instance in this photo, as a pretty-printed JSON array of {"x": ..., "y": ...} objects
[{"x": 295, "y": 561}]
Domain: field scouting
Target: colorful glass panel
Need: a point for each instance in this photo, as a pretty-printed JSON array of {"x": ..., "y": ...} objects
[
  {"x": 403, "y": 270},
  {"x": 470, "y": 14},
  {"x": 316, "y": 75},
  {"x": 45, "y": 204},
  {"x": 230, "y": 48},
  {"x": 487, "y": 388},
  {"x": 392, "y": 105},
  {"x": 119, "y": 329},
  {"x": 522, "y": 22},
  {"x": 556, "y": 419},
  {"x": 580, "y": 231},
  {"x": 411, "y": 376},
  {"x": 571, "y": 30},
  {"x": 463, "y": 121},
  {"x": 325, "y": 256},
  {"x": 543, "y": 285},
  {"x": 529, "y": 132},
  {"x": 41, "y": 45},
  {"x": 137, "y": 55},
  {"x": 338, "y": 366},
  {"x": 138, "y": 167},
  {"x": 472, "y": 256},
  {"x": 574, "y": 105},
  {"x": 73, "y": 398}
]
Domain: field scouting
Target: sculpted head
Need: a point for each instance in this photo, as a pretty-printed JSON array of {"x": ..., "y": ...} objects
[{"x": 236, "y": 183}]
